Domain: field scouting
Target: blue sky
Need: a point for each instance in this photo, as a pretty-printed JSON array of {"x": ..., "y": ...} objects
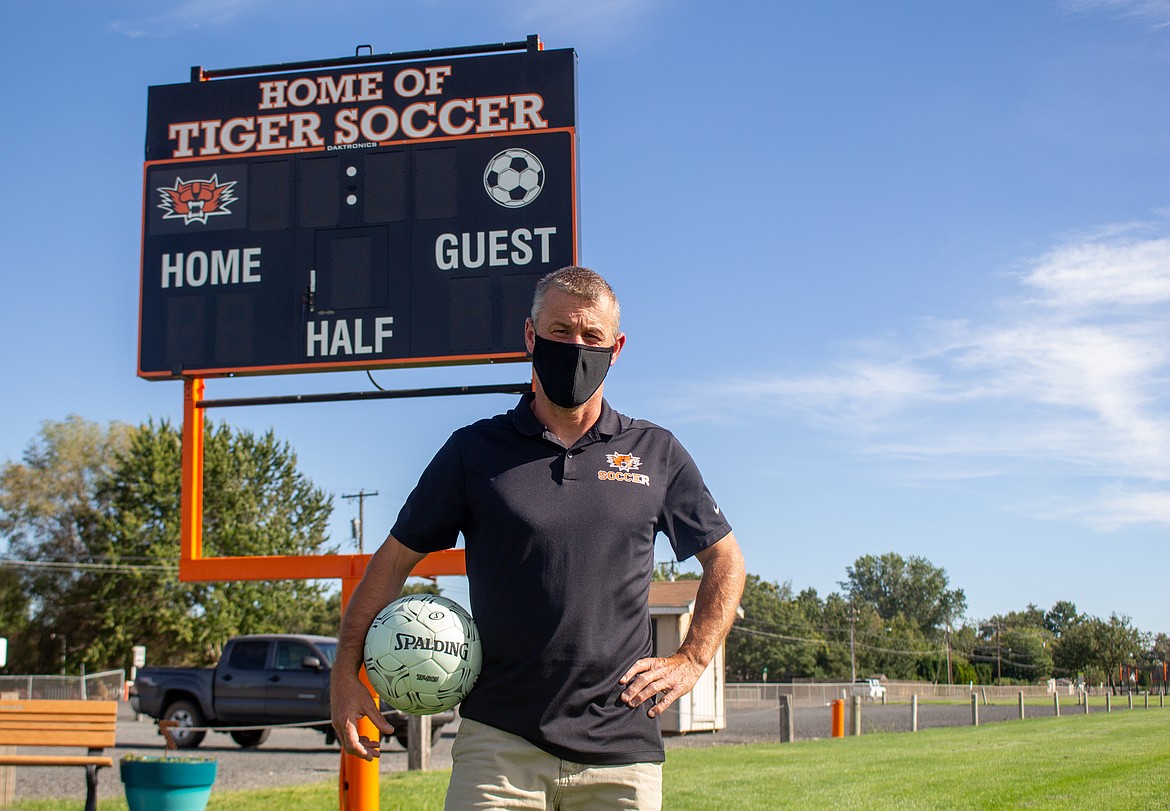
[{"x": 897, "y": 273}]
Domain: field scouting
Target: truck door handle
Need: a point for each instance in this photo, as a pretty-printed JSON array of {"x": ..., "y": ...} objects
[
  {"x": 274, "y": 679},
  {"x": 228, "y": 677}
]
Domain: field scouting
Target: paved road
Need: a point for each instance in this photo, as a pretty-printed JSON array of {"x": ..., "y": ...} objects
[{"x": 294, "y": 756}]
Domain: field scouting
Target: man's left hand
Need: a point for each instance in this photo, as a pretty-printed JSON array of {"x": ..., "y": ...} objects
[{"x": 669, "y": 678}]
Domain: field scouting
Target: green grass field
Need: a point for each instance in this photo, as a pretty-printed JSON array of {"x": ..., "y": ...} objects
[{"x": 1100, "y": 761}]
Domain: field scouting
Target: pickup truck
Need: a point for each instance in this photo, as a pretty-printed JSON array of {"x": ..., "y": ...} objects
[
  {"x": 262, "y": 680},
  {"x": 869, "y": 688}
]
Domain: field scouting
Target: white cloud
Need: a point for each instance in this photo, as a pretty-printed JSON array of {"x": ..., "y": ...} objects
[
  {"x": 857, "y": 393},
  {"x": 1156, "y": 13},
  {"x": 1069, "y": 381},
  {"x": 1112, "y": 507},
  {"x": 1094, "y": 274}
]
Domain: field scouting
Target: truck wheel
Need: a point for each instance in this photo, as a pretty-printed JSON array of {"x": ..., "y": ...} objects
[
  {"x": 186, "y": 716},
  {"x": 251, "y": 738}
]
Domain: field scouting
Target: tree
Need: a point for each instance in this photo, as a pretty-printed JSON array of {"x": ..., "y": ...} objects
[
  {"x": 963, "y": 669},
  {"x": 1025, "y": 655},
  {"x": 911, "y": 588},
  {"x": 1031, "y": 618},
  {"x": 1099, "y": 648},
  {"x": 773, "y": 637},
  {"x": 1072, "y": 652},
  {"x": 1115, "y": 643},
  {"x": 1018, "y": 646},
  {"x": 1158, "y": 658},
  {"x": 1062, "y": 614},
  {"x": 45, "y": 498},
  {"x": 14, "y": 616},
  {"x": 752, "y": 648},
  {"x": 420, "y": 587},
  {"x": 255, "y": 503},
  {"x": 1160, "y": 648},
  {"x": 123, "y": 589},
  {"x": 830, "y": 620},
  {"x": 49, "y": 498}
]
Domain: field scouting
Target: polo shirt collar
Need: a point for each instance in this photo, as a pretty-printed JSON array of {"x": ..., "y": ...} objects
[{"x": 608, "y": 424}]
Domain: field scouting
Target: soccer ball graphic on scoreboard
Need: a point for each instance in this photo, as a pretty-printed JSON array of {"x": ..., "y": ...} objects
[
  {"x": 514, "y": 178},
  {"x": 423, "y": 654}
]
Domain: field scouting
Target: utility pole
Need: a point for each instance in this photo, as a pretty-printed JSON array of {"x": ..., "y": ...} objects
[
  {"x": 852, "y": 655},
  {"x": 361, "y": 496},
  {"x": 950, "y": 678},
  {"x": 998, "y": 657},
  {"x": 668, "y": 569}
]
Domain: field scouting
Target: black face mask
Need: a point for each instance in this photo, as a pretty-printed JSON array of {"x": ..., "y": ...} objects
[{"x": 570, "y": 373}]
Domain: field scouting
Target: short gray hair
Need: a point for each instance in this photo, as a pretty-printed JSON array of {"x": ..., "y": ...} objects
[{"x": 580, "y": 282}]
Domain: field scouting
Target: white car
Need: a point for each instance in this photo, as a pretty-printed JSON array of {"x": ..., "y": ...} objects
[{"x": 869, "y": 688}]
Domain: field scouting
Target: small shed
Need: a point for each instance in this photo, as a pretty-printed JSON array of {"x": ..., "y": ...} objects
[{"x": 672, "y": 605}]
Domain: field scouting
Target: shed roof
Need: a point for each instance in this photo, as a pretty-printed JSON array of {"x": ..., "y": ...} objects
[{"x": 677, "y": 596}]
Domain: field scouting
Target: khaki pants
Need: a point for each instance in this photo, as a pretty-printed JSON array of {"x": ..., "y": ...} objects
[{"x": 497, "y": 770}]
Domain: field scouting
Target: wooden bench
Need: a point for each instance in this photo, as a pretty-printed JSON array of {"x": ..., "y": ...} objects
[{"x": 38, "y": 723}]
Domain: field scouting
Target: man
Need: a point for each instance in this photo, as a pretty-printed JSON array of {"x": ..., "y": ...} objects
[{"x": 559, "y": 502}]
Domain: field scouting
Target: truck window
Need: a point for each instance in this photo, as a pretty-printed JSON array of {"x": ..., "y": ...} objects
[
  {"x": 290, "y": 654},
  {"x": 329, "y": 649},
  {"x": 249, "y": 654}
]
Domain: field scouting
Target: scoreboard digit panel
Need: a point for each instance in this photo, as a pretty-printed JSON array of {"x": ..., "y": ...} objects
[{"x": 395, "y": 214}]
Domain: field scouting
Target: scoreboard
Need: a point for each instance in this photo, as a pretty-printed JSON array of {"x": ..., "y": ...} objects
[{"x": 365, "y": 215}]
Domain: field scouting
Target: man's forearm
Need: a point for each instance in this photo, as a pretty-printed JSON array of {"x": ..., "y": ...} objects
[
  {"x": 717, "y": 602},
  {"x": 674, "y": 676},
  {"x": 382, "y": 582}
]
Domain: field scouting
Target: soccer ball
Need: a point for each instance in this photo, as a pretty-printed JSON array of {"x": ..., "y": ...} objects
[
  {"x": 423, "y": 654},
  {"x": 514, "y": 178}
]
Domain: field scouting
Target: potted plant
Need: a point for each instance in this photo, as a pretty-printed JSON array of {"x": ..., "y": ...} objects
[{"x": 165, "y": 783}]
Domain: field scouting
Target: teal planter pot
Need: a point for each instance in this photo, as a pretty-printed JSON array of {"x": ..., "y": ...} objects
[{"x": 167, "y": 784}]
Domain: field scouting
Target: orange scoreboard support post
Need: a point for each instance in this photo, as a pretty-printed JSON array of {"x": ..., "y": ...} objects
[
  {"x": 357, "y": 786},
  {"x": 358, "y": 779}
]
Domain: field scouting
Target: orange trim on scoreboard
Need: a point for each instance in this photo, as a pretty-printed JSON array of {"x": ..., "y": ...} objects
[
  {"x": 576, "y": 215},
  {"x": 349, "y": 365},
  {"x": 378, "y": 144}
]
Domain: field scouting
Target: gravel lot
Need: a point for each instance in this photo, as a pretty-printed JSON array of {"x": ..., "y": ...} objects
[{"x": 293, "y": 756}]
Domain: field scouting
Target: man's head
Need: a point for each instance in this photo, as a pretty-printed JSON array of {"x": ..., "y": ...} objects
[
  {"x": 584, "y": 284},
  {"x": 573, "y": 335}
]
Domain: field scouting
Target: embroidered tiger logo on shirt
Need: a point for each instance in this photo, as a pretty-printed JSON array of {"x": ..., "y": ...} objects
[{"x": 623, "y": 465}]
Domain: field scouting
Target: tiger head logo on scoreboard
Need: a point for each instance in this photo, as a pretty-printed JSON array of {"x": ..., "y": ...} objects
[{"x": 196, "y": 200}]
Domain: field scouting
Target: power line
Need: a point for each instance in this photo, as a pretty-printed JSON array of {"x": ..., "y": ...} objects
[
  {"x": 828, "y": 643},
  {"x": 53, "y": 565}
]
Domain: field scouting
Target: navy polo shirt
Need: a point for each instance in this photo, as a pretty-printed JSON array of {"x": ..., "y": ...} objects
[{"x": 560, "y": 553}]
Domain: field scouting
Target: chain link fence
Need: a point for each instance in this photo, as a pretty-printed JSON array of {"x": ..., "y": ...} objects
[
  {"x": 109, "y": 685},
  {"x": 818, "y": 694}
]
